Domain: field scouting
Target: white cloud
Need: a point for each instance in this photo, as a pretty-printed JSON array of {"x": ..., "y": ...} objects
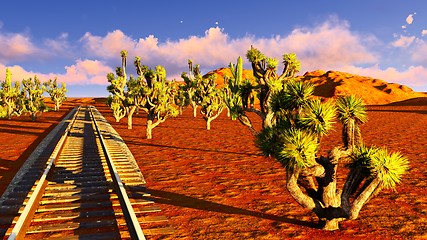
[
  {"x": 419, "y": 52},
  {"x": 330, "y": 45},
  {"x": 59, "y": 46},
  {"x": 327, "y": 45},
  {"x": 108, "y": 46},
  {"x": 16, "y": 47},
  {"x": 403, "y": 41},
  {"x": 83, "y": 72},
  {"x": 86, "y": 72},
  {"x": 424, "y": 32}
]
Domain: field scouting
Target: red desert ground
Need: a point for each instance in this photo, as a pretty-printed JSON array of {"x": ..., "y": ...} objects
[{"x": 216, "y": 184}]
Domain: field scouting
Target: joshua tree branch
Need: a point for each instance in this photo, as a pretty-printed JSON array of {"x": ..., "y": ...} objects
[{"x": 363, "y": 198}]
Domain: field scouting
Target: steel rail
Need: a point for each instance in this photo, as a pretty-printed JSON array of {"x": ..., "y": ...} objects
[
  {"x": 132, "y": 222},
  {"x": 24, "y": 220}
]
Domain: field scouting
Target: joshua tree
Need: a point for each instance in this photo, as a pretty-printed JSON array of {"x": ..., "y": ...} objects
[
  {"x": 351, "y": 112},
  {"x": 57, "y": 95},
  {"x": 32, "y": 91},
  {"x": 192, "y": 82},
  {"x": 203, "y": 91},
  {"x": 236, "y": 94},
  {"x": 212, "y": 100},
  {"x": 125, "y": 93},
  {"x": 294, "y": 141},
  {"x": 292, "y": 136},
  {"x": 9, "y": 95},
  {"x": 117, "y": 98},
  {"x": 150, "y": 92},
  {"x": 268, "y": 82},
  {"x": 181, "y": 98},
  {"x": 156, "y": 94}
]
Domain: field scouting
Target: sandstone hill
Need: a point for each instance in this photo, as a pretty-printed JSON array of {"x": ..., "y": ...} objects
[
  {"x": 332, "y": 84},
  {"x": 373, "y": 91}
]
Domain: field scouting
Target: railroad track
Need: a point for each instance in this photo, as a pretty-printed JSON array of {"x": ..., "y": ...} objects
[{"x": 88, "y": 188}]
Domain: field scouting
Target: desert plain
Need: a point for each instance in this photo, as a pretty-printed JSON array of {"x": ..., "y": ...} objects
[{"x": 216, "y": 184}]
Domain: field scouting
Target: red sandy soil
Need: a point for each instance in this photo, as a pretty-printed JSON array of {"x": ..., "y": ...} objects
[
  {"x": 216, "y": 185},
  {"x": 20, "y": 136}
]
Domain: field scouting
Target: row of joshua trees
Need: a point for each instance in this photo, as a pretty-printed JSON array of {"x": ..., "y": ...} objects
[
  {"x": 27, "y": 96},
  {"x": 294, "y": 122}
]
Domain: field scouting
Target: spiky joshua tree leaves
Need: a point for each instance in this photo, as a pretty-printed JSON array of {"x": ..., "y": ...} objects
[{"x": 294, "y": 123}]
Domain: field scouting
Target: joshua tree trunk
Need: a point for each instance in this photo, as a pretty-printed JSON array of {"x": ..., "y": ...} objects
[
  {"x": 208, "y": 124},
  {"x": 211, "y": 118},
  {"x": 33, "y": 117},
  {"x": 151, "y": 116},
  {"x": 330, "y": 197},
  {"x": 267, "y": 121},
  {"x": 149, "y": 129},
  {"x": 194, "y": 110},
  {"x": 131, "y": 111},
  {"x": 150, "y": 126},
  {"x": 9, "y": 111},
  {"x": 326, "y": 202},
  {"x": 57, "y": 105}
]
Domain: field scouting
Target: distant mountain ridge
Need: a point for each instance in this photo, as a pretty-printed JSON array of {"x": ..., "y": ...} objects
[{"x": 332, "y": 84}]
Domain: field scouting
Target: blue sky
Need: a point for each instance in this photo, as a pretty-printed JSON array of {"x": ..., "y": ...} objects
[{"x": 80, "y": 41}]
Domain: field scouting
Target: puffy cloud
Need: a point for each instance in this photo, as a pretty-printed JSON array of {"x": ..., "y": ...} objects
[
  {"x": 424, "y": 32},
  {"x": 419, "y": 52},
  {"x": 16, "y": 47},
  {"x": 83, "y": 72},
  {"x": 108, "y": 46},
  {"x": 59, "y": 45},
  {"x": 330, "y": 44},
  {"x": 86, "y": 72},
  {"x": 403, "y": 41},
  {"x": 19, "y": 73}
]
